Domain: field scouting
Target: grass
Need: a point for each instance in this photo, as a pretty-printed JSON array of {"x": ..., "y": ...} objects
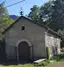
[
  {"x": 42, "y": 64},
  {"x": 55, "y": 59},
  {"x": 19, "y": 65}
]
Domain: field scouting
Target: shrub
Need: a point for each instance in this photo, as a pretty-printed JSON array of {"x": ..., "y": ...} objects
[
  {"x": 58, "y": 57},
  {"x": 43, "y": 63}
]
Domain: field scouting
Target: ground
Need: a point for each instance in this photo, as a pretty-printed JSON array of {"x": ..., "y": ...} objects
[
  {"x": 56, "y": 64},
  {"x": 17, "y": 65}
]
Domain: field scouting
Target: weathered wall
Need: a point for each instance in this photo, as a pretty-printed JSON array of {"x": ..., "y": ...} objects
[
  {"x": 53, "y": 43},
  {"x": 33, "y": 33}
]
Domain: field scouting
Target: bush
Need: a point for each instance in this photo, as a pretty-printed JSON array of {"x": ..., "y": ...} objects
[
  {"x": 43, "y": 63},
  {"x": 58, "y": 57}
]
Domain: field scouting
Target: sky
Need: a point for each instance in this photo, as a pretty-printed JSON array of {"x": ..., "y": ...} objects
[{"x": 26, "y": 5}]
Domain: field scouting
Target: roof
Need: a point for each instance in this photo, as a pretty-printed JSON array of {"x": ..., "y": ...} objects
[{"x": 47, "y": 28}]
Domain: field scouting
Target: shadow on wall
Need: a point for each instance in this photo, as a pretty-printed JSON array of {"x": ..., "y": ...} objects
[
  {"x": 54, "y": 50},
  {"x": 2, "y": 51},
  {"x": 3, "y": 58}
]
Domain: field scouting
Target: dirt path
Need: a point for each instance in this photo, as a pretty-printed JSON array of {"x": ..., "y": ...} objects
[{"x": 59, "y": 64}]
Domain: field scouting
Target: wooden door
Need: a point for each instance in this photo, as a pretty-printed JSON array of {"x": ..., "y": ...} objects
[{"x": 24, "y": 51}]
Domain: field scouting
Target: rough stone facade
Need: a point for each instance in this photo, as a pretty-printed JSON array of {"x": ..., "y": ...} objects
[
  {"x": 53, "y": 43},
  {"x": 36, "y": 37},
  {"x": 33, "y": 34}
]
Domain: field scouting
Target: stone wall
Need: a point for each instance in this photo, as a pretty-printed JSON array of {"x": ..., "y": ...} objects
[
  {"x": 53, "y": 43},
  {"x": 33, "y": 33}
]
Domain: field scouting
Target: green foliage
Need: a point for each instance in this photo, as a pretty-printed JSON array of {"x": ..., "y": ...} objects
[
  {"x": 55, "y": 14},
  {"x": 45, "y": 11},
  {"x": 5, "y": 21},
  {"x": 28, "y": 65},
  {"x": 34, "y": 13},
  {"x": 50, "y": 14},
  {"x": 43, "y": 63},
  {"x": 58, "y": 57}
]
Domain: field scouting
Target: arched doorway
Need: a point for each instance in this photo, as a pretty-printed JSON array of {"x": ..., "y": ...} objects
[{"x": 23, "y": 51}]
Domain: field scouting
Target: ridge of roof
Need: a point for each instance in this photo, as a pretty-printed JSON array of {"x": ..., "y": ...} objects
[
  {"x": 44, "y": 26},
  {"x": 18, "y": 20}
]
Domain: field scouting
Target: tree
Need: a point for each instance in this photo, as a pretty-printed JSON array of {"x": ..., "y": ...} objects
[
  {"x": 57, "y": 16},
  {"x": 50, "y": 14},
  {"x": 34, "y": 13},
  {"x": 5, "y": 21},
  {"x": 45, "y": 11},
  {"x": 53, "y": 14}
]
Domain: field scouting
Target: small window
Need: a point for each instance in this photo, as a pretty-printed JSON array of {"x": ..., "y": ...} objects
[{"x": 23, "y": 28}]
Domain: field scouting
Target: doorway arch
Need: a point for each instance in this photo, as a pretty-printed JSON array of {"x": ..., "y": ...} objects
[{"x": 24, "y": 50}]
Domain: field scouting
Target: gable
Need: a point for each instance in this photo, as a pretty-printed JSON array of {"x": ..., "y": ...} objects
[
  {"x": 24, "y": 19},
  {"x": 32, "y": 32},
  {"x": 29, "y": 27},
  {"x": 31, "y": 21}
]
